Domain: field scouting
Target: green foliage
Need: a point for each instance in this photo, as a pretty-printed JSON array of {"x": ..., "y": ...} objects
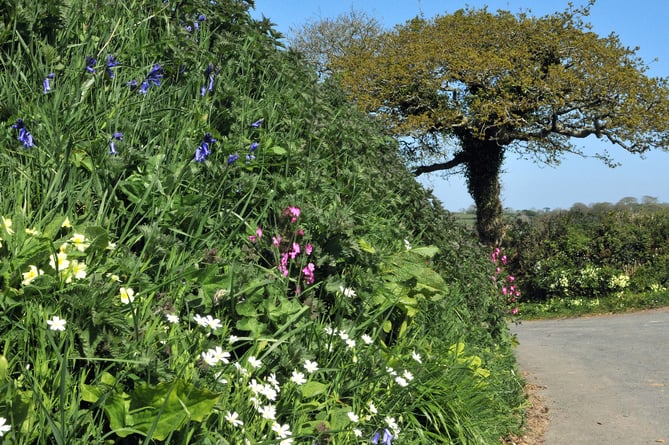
[
  {"x": 222, "y": 240},
  {"x": 591, "y": 252}
]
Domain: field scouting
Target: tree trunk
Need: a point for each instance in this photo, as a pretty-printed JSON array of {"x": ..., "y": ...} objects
[{"x": 482, "y": 168}]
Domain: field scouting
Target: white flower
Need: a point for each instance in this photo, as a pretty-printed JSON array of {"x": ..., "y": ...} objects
[
  {"x": 172, "y": 318},
  {"x": 407, "y": 375},
  {"x": 56, "y": 323},
  {"x": 353, "y": 417},
  {"x": 282, "y": 431},
  {"x": 233, "y": 339},
  {"x": 416, "y": 356},
  {"x": 254, "y": 362},
  {"x": 79, "y": 242},
  {"x": 59, "y": 261},
  {"x": 32, "y": 273},
  {"x": 391, "y": 371},
  {"x": 233, "y": 418},
  {"x": 329, "y": 330},
  {"x": 298, "y": 378},
  {"x": 268, "y": 391},
  {"x": 272, "y": 380},
  {"x": 287, "y": 441},
  {"x": 221, "y": 355},
  {"x": 310, "y": 366},
  {"x": 357, "y": 432},
  {"x": 113, "y": 277},
  {"x": 343, "y": 335},
  {"x": 372, "y": 408},
  {"x": 401, "y": 381},
  {"x": 347, "y": 291},
  {"x": 4, "y": 427},
  {"x": 392, "y": 424},
  {"x": 407, "y": 244},
  {"x": 268, "y": 412},
  {"x": 78, "y": 271},
  {"x": 255, "y": 387},
  {"x": 213, "y": 323},
  {"x": 110, "y": 245},
  {"x": 127, "y": 295},
  {"x": 202, "y": 321},
  {"x": 209, "y": 358},
  {"x": 350, "y": 343},
  {"x": 367, "y": 339}
]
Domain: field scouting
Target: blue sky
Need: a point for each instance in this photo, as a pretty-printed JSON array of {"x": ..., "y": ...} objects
[{"x": 525, "y": 184}]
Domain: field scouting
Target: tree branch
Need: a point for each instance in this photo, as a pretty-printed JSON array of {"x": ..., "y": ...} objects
[{"x": 458, "y": 159}]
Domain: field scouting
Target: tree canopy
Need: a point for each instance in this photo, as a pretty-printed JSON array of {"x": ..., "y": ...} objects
[{"x": 463, "y": 89}]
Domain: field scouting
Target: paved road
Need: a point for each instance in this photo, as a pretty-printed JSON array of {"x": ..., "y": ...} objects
[{"x": 606, "y": 378}]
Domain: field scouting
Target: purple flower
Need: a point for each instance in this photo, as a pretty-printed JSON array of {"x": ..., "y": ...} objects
[
  {"x": 90, "y": 64},
  {"x": 201, "y": 18},
  {"x": 111, "y": 62},
  {"x": 46, "y": 84},
  {"x": 24, "y": 135},
  {"x": 210, "y": 75},
  {"x": 203, "y": 150},
  {"x": 257, "y": 123},
  {"x": 387, "y": 437},
  {"x": 153, "y": 78},
  {"x": 118, "y": 136},
  {"x": 233, "y": 158},
  {"x": 253, "y": 146}
]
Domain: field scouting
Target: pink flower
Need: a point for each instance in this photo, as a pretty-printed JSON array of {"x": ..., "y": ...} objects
[
  {"x": 276, "y": 240},
  {"x": 295, "y": 251},
  {"x": 293, "y": 212},
  {"x": 257, "y": 236},
  {"x": 308, "y": 249},
  {"x": 511, "y": 278},
  {"x": 514, "y": 311},
  {"x": 308, "y": 272}
]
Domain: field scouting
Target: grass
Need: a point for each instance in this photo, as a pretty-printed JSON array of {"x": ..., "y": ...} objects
[{"x": 577, "y": 307}]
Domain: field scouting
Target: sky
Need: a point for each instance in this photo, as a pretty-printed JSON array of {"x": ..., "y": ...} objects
[{"x": 526, "y": 184}]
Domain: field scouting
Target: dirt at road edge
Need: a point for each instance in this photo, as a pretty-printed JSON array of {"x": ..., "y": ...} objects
[{"x": 536, "y": 418}]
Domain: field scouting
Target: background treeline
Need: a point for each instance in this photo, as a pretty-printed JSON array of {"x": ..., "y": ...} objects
[{"x": 590, "y": 251}]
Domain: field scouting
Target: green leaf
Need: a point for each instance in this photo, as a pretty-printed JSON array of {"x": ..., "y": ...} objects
[
  {"x": 278, "y": 150},
  {"x": 312, "y": 389},
  {"x": 155, "y": 410},
  {"x": 366, "y": 247}
]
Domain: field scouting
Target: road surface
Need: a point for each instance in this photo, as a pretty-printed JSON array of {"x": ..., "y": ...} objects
[{"x": 606, "y": 377}]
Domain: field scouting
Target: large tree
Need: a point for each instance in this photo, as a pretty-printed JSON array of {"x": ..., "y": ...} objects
[{"x": 462, "y": 90}]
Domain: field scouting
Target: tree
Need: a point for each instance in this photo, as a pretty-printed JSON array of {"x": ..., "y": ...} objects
[
  {"x": 462, "y": 90},
  {"x": 320, "y": 41}
]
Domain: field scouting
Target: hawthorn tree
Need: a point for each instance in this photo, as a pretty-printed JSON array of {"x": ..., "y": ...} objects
[{"x": 462, "y": 90}]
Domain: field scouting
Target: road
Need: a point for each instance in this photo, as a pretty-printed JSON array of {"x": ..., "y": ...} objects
[{"x": 606, "y": 377}]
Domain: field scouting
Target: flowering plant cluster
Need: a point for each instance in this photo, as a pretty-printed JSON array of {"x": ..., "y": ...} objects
[
  {"x": 290, "y": 249},
  {"x": 509, "y": 290}
]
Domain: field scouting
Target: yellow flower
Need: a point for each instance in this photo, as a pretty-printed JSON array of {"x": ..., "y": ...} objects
[
  {"x": 127, "y": 295},
  {"x": 32, "y": 232},
  {"x": 7, "y": 223},
  {"x": 66, "y": 223},
  {"x": 32, "y": 273}
]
